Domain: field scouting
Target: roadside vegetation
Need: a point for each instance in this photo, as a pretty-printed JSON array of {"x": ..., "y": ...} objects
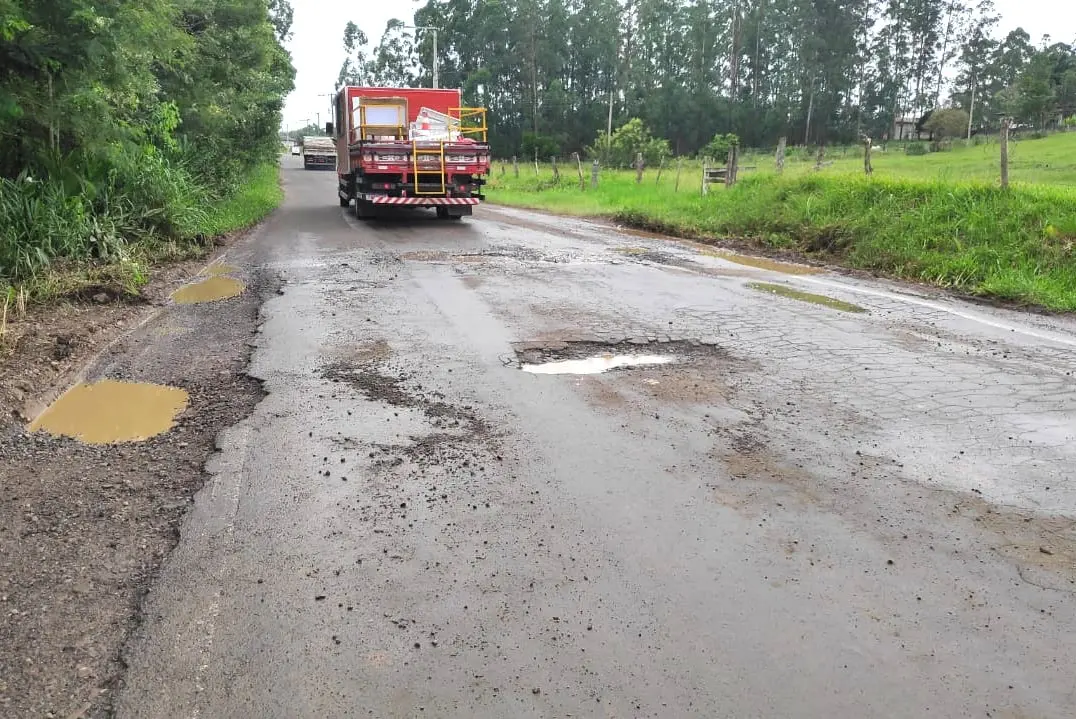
[
  {"x": 132, "y": 132},
  {"x": 939, "y": 218}
]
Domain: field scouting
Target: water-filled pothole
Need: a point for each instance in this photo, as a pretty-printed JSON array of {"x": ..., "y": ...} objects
[
  {"x": 784, "y": 291},
  {"x": 596, "y": 365},
  {"x": 588, "y": 357},
  {"x": 112, "y": 411},
  {"x": 218, "y": 268},
  {"x": 216, "y": 287}
]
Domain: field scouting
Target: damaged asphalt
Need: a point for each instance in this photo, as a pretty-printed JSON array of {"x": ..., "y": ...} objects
[{"x": 805, "y": 512}]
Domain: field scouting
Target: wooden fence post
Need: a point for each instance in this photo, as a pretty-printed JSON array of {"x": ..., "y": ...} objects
[
  {"x": 515, "y": 165},
  {"x": 705, "y": 172},
  {"x": 661, "y": 166},
  {"x": 594, "y": 175},
  {"x": 820, "y": 159},
  {"x": 781, "y": 155},
  {"x": 504, "y": 170},
  {"x": 732, "y": 165},
  {"x": 1006, "y": 125},
  {"x": 867, "y": 168},
  {"x": 536, "y": 163},
  {"x": 639, "y": 165},
  {"x": 556, "y": 172},
  {"x": 679, "y": 166},
  {"x": 579, "y": 167}
]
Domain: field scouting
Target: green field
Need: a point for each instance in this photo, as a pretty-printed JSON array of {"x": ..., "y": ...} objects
[{"x": 939, "y": 218}]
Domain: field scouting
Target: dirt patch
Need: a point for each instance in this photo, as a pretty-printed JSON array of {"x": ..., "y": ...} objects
[
  {"x": 399, "y": 390},
  {"x": 84, "y": 528}
]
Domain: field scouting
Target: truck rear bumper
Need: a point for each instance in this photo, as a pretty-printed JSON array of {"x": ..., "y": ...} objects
[{"x": 417, "y": 201}]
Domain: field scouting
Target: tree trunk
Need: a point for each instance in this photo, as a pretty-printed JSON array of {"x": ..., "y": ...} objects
[
  {"x": 810, "y": 111},
  {"x": 867, "y": 168}
]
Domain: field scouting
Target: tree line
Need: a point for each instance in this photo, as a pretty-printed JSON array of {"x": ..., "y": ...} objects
[
  {"x": 120, "y": 120},
  {"x": 555, "y": 73}
]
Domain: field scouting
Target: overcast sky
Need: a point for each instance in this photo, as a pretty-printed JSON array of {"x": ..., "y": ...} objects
[{"x": 317, "y": 45}]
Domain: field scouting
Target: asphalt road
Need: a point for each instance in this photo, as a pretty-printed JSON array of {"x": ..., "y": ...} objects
[{"x": 807, "y": 512}]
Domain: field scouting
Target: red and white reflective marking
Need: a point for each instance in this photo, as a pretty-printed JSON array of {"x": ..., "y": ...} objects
[{"x": 386, "y": 200}]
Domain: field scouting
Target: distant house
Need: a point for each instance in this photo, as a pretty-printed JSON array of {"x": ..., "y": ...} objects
[{"x": 905, "y": 128}]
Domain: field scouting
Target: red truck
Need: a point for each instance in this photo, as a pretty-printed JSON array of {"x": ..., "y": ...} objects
[{"x": 409, "y": 146}]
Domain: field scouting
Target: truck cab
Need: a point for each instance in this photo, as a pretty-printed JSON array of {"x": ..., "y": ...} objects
[{"x": 409, "y": 147}]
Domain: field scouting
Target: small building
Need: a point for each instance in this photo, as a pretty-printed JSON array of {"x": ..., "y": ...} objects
[{"x": 905, "y": 128}]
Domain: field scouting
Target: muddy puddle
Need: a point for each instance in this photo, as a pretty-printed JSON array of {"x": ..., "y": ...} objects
[
  {"x": 218, "y": 268},
  {"x": 597, "y": 364},
  {"x": 211, "y": 289},
  {"x": 762, "y": 263},
  {"x": 112, "y": 411},
  {"x": 784, "y": 291}
]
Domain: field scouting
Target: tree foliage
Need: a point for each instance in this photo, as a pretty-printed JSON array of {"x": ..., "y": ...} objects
[
  {"x": 129, "y": 115},
  {"x": 947, "y": 123}
]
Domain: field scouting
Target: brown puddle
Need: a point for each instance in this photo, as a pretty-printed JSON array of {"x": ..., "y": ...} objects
[
  {"x": 217, "y": 268},
  {"x": 112, "y": 411},
  {"x": 763, "y": 263},
  {"x": 784, "y": 291},
  {"x": 209, "y": 290}
]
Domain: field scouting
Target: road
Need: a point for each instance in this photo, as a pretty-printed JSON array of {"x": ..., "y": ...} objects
[{"x": 804, "y": 511}]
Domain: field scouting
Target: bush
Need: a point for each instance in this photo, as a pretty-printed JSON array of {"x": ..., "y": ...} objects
[
  {"x": 719, "y": 146},
  {"x": 627, "y": 141},
  {"x": 541, "y": 146},
  {"x": 915, "y": 149}
]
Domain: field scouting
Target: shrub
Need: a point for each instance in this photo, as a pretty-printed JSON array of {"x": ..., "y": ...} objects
[{"x": 915, "y": 149}]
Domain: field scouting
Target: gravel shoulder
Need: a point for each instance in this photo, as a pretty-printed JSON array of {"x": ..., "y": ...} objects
[{"x": 83, "y": 529}]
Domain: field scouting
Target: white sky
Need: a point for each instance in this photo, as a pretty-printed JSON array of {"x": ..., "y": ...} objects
[{"x": 317, "y": 45}]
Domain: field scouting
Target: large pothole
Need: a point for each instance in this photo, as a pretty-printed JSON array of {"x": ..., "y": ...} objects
[{"x": 587, "y": 357}]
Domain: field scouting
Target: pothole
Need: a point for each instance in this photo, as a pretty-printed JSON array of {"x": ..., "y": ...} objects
[
  {"x": 587, "y": 358},
  {"x": 218, "y": 268},
  {"x": 762, "y": 263},
  {"x": 597, "y": 365},
  {"x": 214, "y": 288},
  {"x": 784, "y": 291},
  {"x": 112, "y": 411}
]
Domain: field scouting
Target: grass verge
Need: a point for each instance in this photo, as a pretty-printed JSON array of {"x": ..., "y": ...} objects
[
  {"x": 1017, "y": 245},
  {"x": 124, "y": 273}
]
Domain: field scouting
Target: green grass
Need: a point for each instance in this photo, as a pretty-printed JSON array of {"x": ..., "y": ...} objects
[
  {"x": 938, "y": 219},
  {"x": 127, "y": 268},
  {"x": 256, "y": 198}
]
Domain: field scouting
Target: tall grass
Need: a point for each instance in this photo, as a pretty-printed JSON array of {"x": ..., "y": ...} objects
[
  {"x": 60, "y": 232},
  {"x": 917, "y": 218}
]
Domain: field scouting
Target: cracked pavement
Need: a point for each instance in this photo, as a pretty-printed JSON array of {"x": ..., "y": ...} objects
[{"x": 811, "y": 513}]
